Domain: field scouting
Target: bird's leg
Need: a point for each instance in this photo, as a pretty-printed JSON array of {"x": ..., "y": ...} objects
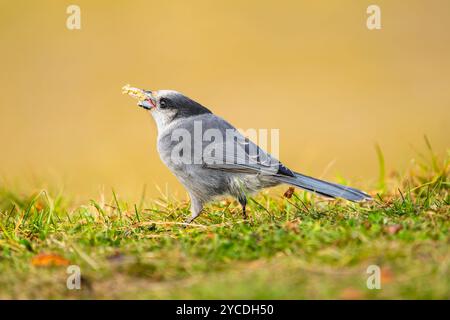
[
  {"x": 196, "y": 208},
  {"x": 243, "y": 201}
]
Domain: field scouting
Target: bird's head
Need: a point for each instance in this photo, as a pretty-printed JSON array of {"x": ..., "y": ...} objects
[{"x": 166, "y": 106}]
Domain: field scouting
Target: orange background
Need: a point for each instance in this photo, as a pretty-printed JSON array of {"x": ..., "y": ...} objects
[{"x": 310, "y": 68}]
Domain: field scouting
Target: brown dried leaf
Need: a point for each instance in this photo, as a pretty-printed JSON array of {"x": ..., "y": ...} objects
[
  {"x": 367, "y": 224},
  {"x": 289, "y": 192},
  {"x": 293, "y": 225},
  {"x": 49, "y": 260},
  {"x": 386, "y": 276},
  {"x": 393, "y": 229}
]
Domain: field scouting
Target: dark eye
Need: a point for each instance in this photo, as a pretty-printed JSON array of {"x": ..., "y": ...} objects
[{"x": 163, "y": 103}]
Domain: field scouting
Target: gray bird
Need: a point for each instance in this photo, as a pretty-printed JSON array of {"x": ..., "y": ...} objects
[{"x": 211, "y": 158}]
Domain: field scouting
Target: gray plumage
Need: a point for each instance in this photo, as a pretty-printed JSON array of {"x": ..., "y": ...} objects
[{"x": 207, "y": 175}]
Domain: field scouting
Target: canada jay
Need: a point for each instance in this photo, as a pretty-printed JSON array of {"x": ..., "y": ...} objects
[{"x": 211, "y": 158}]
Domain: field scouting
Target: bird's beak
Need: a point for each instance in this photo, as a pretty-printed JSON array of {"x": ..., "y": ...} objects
[
  {"x": 149, "y": 102},
  {"x": 145, "y": 97}
]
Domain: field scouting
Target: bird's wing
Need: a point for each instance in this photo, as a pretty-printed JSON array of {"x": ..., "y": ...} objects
[
  {"x": 239, "y": 154},
  {"x": 220, "y": 146}
]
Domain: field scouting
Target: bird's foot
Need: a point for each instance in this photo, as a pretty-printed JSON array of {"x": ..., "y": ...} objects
[{"x": 188, "y": 221}]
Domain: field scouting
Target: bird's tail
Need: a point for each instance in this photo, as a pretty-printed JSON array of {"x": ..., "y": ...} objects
[{"x": 327, "y": 189}]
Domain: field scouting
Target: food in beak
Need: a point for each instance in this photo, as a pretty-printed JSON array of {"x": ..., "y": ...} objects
[
  {"x": 145, "y": 100},
  {"x": 134, "y": 92}
]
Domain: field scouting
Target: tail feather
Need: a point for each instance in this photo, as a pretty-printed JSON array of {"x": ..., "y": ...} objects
[{"x": 324, "y": 188}]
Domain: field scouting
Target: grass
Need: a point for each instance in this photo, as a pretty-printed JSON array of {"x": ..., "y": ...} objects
[{"x": 290, "y": 248}]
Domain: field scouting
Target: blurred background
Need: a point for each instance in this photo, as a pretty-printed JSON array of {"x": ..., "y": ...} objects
[{"x": 310, "y": 68}]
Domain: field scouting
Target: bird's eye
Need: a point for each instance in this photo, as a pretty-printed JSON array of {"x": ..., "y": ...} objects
[{"x": 163, "y": 103}]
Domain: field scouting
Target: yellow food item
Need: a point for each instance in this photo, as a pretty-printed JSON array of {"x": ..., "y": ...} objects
[{"x": 134, "y": 92}]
